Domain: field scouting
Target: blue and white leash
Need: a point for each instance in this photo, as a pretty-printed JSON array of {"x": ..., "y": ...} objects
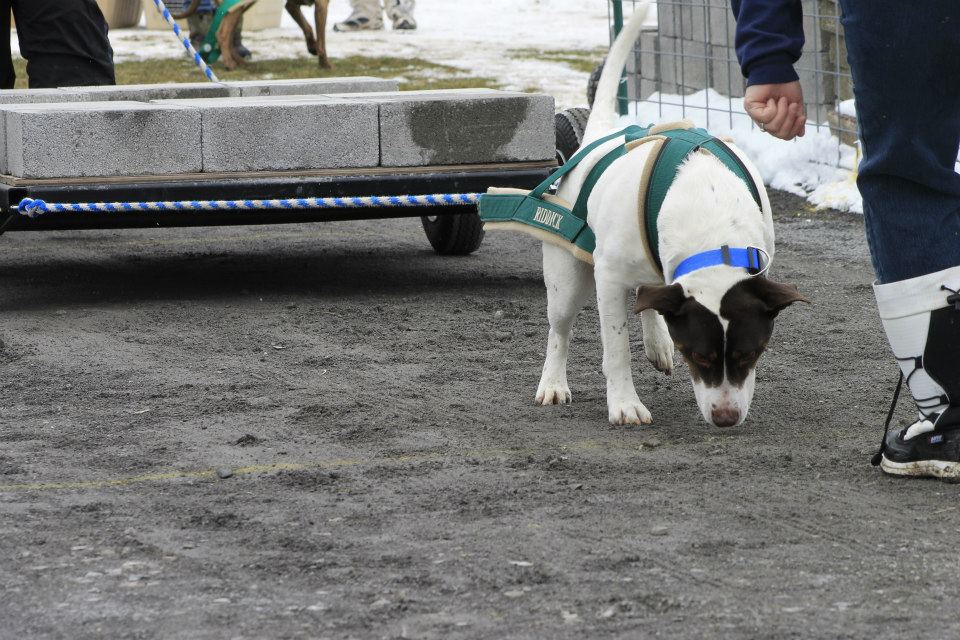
[
  {"x": 207, "y": 71},
  {"x": 33, "y": 208}
]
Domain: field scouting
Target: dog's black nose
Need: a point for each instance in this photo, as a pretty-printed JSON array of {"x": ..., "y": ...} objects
[{"x": 727, "y": 417}]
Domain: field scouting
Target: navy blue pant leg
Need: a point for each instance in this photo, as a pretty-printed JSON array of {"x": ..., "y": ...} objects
[{"x": 905, "y": 59}]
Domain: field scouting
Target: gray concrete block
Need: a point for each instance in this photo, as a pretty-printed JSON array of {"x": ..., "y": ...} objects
[
  {"x": 98, "y": 139},
  {"x": 726, "y": 76},
  {"x": 722, "y": 25},
  {"x": 36, "y": 96},
  {"x": 815, "y": 39},
  {"x": 633, "y": 75},
  {"x": 643, "y": 64},
  {"x": 264, "y": 134},
  {"x": 648, "y": 53},
  {"x": 419, "y": 128},
  {"x": 667, "y": 62},
  {"x": 457, "y": 126},
  {"x": 817, "y": 88},
  {"x": 668, "y": 19},
  {"x": 698, "y": 29},
  {"x": 427, "y": 94},
  {"x": 310, "y": 86},
  {"x": 148, "y": 92},
  {"x": 694, "y": 71},
  {"x": 675, "y": 18},
  {"x": 685, "y": 63}
]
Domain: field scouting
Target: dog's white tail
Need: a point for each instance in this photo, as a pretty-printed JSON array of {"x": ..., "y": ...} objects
[{"x": 604, "y": 114}]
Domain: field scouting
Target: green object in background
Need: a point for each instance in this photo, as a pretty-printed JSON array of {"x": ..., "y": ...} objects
[
  {"x": 622, "y": 99},
  {"x": 210, "y": 49}
]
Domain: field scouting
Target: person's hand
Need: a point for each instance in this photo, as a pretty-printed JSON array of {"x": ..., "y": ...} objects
[{"x": 777, "y": 108}]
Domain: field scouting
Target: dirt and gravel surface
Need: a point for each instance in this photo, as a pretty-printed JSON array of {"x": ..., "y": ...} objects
[{"x": 326, "y": 431}]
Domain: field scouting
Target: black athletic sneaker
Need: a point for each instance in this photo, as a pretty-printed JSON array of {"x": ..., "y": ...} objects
[
  {"x": 934, "y": 454},
  {"x": 404, "y": 24}
]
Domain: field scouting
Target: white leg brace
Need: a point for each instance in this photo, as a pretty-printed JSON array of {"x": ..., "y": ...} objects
[{"x": 906, "y": 308}]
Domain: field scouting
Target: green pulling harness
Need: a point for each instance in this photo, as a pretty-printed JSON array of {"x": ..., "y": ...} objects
[
  {"x": 540, "y": 213},
  {"x": 210, "y": 49}
]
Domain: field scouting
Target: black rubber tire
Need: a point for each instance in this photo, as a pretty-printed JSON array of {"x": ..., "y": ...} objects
[
  {"x": 593, "y": 82},
  {"x": 456, "y": 234},
  {"x": 569, "y": 126}
]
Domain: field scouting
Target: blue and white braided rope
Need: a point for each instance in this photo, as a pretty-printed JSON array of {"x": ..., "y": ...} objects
[
  {"x": 33, "y": 208},
  {"x": 207, "y": 71}
]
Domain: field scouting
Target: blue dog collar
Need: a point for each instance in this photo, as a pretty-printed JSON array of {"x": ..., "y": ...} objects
[{"x": 752, "y": 259}]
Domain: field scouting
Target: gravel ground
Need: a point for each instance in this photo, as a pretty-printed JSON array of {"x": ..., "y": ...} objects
[{"x": 326, "y": 431}]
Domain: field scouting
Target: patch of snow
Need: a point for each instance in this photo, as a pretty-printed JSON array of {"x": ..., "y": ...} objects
[
  {"x": 817, "y": 166},
  {"x": 848, "y": 108}
]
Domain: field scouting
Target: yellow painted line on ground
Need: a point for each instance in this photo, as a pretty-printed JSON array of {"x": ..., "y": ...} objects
[
  {"x": 338, "y": 463},
  {"x": 172, "y": 475}
]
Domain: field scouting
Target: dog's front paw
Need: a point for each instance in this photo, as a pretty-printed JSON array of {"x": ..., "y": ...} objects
[
  {"x": 554, "y": 392},
  {"x": 656, "y": 341},
  {"x": 628, "y": 411},
  {"x": 660, "y": 355}
]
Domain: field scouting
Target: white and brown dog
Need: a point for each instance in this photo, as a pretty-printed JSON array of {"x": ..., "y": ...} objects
[{"x": 720, "y": 317}]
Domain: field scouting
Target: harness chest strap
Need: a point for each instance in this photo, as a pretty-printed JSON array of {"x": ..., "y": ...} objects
[{"x": 549, "y": 218}]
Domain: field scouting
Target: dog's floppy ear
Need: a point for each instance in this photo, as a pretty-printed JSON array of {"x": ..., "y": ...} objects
[
  {"x": 776, "y": 296},
  {"x": 662, "y": 298}
]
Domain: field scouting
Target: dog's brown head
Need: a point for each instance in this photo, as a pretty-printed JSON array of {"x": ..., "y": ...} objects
[{"x": 721, "y": 346}]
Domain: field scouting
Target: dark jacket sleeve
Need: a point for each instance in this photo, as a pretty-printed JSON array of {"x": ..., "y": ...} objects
[{"x": 769, "y": 39}]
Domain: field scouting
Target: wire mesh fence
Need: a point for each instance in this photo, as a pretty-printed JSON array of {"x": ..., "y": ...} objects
[{"x": 685, "y": 64}]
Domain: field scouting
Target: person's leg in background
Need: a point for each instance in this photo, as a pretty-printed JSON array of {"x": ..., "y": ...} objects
[
  {"x": 199, "y": 23},
  {"x": 65, "y": 43},
  {"x": 8, "y": 76},
  {"x": 242, "y": 51},
  {"x": 401, "y": 13},
  {"x": 367, "y": 15},
  {"x": 908, "y": 109}
]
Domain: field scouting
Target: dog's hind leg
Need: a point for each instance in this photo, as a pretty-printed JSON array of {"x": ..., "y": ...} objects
[
  {"x": 569, "y": 286},
  {"x": 623, "y": 403},
  {"x": 225, "y": 38},
  {"x": 293, "y": 8},
  {"x": 656, "y": 341},
  {"x": 320, "y": 11}
]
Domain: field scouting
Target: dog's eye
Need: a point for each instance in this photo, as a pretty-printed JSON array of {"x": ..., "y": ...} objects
[
  {"x": 703, "y": 360},
  {"x": 745, "y": 359}
]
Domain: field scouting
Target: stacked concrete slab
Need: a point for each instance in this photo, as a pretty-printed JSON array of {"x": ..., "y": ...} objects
[
  {"x": 265, "y": 126},
  {"x": 147, "y": 92},
  {"x": 462, "y": 126},
  {"x": 89, "y": 139},
  {"x": 263, "y": 134},
  {"x": 693, "y": 48}
]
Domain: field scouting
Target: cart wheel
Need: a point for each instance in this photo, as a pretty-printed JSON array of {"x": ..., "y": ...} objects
[
  {"x": 454, "y": 234},
  {"x": 593, "y": 82},
  {"x": 569, "y": 125}
]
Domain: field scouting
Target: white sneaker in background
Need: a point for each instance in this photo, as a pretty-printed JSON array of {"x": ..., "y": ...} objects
[
  {"x": 367, "y": 16},
  {"x": 401, "y": 12}
]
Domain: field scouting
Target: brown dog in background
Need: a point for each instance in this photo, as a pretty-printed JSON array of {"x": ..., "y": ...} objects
[{"x": 316, "y": 43}]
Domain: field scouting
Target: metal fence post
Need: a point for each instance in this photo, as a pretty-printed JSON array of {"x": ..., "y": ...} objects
[{"x": 617, "y": 28}]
